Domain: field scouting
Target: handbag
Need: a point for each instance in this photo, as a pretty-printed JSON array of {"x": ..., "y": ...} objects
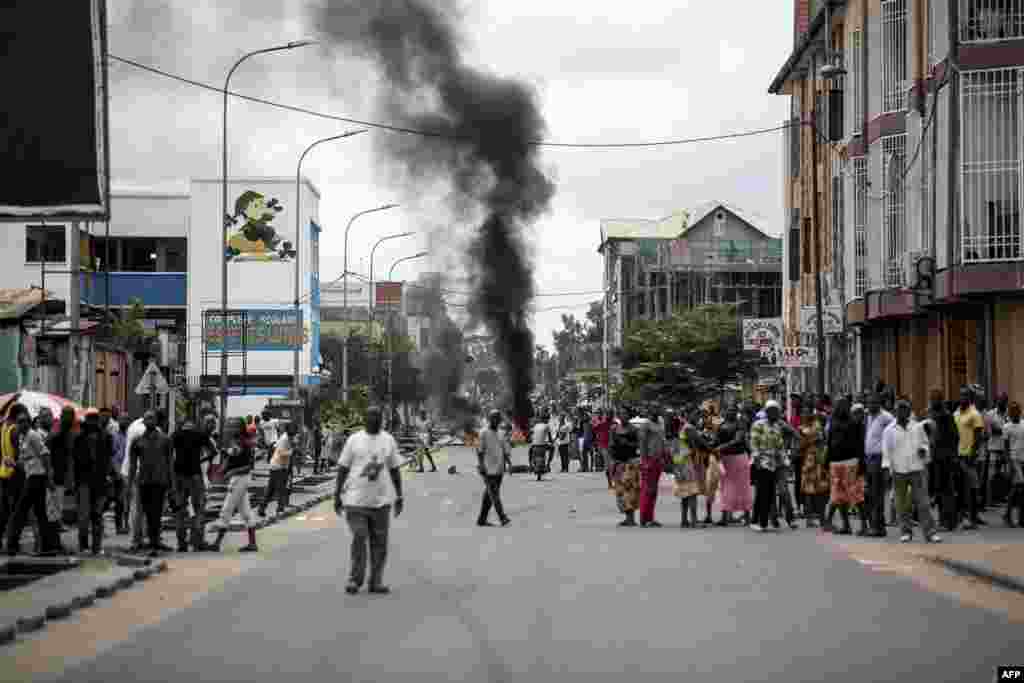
[{"x": 215, "y": 472}]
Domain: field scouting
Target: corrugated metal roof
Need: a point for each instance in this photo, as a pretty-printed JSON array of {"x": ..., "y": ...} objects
[
  {"x": 15, "y": 303},
  {"x": 759, "y": 223}
]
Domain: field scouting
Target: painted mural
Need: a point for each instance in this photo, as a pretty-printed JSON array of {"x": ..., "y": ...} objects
[{"x": 256, "y": 239}]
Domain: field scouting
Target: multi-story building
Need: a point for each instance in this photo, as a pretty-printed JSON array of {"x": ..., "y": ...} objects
[
  {"x": 903, "y": 184},
  {"x": 712, "y": 253}
]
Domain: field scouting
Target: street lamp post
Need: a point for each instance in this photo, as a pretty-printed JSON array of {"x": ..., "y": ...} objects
[
  {"x": 391, "y": 368},
  {"x": 344, "y": 297},
  {"x": 225, "y": 222},
  {"x": 371, "y": 300},
  {"x": 298, "y": 241}
]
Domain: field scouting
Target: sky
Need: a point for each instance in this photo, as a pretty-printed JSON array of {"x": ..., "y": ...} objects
[{"x": 603, "y": 72}]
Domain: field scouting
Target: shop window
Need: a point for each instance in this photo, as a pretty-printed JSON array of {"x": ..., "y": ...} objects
[{"x": 45, "y": 244}]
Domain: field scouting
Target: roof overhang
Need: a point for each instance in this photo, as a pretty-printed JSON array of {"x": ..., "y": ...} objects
[{"x": 812, "y": 41}]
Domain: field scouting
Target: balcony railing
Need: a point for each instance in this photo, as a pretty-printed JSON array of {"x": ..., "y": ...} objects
[
  {"x": 990, "y": 173},
  {"x": 988, "y": 21},
  {"x": 153, "y": 289}
]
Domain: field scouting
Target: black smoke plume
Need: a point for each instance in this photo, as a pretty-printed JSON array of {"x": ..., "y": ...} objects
[{"x": 485, "y": 125}]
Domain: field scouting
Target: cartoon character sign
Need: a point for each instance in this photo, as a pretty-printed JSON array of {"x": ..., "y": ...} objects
[{"x": 256, "y": 240}]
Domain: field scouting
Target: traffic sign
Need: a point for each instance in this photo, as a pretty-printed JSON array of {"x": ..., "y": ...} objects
[{"x": 152, "y": 381}]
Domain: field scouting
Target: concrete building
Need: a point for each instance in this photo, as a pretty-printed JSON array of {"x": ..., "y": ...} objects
[
  {"x": 712, "y": 253},
  {"x": 911, "y": 138}
]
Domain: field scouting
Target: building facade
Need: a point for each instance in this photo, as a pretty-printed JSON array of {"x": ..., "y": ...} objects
[
  {"x": 712, "y": 253},
  {"x": 903, "y": 185}
]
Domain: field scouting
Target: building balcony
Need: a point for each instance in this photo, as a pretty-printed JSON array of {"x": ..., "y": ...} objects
[{"x": 161, "y": 290}]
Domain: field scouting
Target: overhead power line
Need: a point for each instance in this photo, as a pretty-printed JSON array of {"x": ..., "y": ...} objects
[{"x": 442, "y": 135}]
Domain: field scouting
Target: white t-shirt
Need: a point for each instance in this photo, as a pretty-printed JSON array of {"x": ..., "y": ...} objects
[
  {"x": 134, "y": 431},
  {"x": 1014, "y": 434},
  {"x": 269, "y": 429},
  {"x": 369, "y": 459},
  {"x": 541, "y": 435}
]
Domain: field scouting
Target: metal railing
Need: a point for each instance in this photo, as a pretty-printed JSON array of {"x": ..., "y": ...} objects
[
  {"x": 987, "y": 21},
  {"x": 990, "y": 173}
]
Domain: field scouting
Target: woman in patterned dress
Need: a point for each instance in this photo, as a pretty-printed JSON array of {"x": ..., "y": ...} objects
[
  {"x": 625, "y": 470},
  {"x": 814, "y": 480},
  {"x": 689, "y": 477},
  {"x": 846, "y": 460},
  {"x": 737, "y": 494}
]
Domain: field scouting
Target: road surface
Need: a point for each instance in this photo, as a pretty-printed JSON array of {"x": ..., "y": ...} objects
[{"x": 561, "y": 595}]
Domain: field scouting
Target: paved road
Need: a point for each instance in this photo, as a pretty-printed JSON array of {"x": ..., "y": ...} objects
[{"x": 561, "y": 596}]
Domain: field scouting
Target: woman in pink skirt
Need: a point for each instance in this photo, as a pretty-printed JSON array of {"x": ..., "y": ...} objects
[{"x": 736, "y": 494}]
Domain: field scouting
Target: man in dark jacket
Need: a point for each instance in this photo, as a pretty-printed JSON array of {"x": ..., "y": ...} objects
[
  {"x": 191, "y": 444},
  {"x": 93, "y": 458},
  {"x": 150, "y": 469}
]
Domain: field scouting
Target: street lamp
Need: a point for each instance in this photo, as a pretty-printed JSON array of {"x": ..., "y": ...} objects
[
  {"x": 344, "y": 297},
  {"x": 298, "y": 241},
  {"x": 406, "y": 258},
  {"x": 371, "y": 299},
  {"x": 225, "y": 221},
  {"x": 387, "y": 338}
]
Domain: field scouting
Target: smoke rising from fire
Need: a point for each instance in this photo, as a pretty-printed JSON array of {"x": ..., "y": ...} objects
[{"x": 485, "y": 124}]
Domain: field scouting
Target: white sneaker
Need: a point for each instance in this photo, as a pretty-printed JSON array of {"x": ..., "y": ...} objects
[
  {"x": 757, "y": 527},
  {"x": 934, "y": 538},
  {"x": 906, "y": 538}
]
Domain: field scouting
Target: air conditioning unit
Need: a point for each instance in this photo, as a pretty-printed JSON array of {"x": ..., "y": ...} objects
[{"x": 910, "y": 266}]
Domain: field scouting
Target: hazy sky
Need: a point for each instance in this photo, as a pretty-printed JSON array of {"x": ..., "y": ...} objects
[{"x": 604, "y": 72}]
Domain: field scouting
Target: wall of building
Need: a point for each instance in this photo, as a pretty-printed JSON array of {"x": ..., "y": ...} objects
[{"x": 251, "y": 285}]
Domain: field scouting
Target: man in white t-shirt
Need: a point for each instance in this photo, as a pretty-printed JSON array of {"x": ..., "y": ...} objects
[
  {"x": 362, "y": 494},
  {"x": 136, "y": 521}
]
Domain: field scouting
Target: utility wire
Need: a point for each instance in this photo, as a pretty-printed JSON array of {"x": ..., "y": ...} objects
[{"x": 442, "y": 135}]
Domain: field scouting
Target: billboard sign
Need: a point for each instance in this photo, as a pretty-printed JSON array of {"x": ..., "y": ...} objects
[
  {"x": 55, "y": 115},
  {"x": 832, "y": 320},
  {"x": 254, "y": 330},
  {"x": 760, "y": 334},
  {"x": 793, "y": 356}
]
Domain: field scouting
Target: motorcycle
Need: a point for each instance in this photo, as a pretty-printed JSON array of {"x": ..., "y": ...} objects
[{"x": 539, "y": 460}]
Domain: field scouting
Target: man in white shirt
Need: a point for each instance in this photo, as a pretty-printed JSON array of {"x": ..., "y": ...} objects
[
  {"x": 492, "y": 454},
  {"x": 540, "y": 443},
  {"x": 365, "y": 500},
  {"x": 136, "y": 520},
  {"x": 280, "y": 465},
  {"x": 423, "y": 431},
  {"x": 268, "y": 431},
  {"x": 1013, "y": 429},
  {"x": 905, "y": 454}
]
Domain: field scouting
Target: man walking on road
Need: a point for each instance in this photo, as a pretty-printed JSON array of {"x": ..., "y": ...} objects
[
  {"x": 492, "y": 454},
  {"x": 280, "y": 464},
  {"x": 905, "y": 454},
  {"x": 424, "y": 430},
  {"x": 971, "y": 427},
  {"x": 877, "y": 421},
  {"x": 150, "y": 474},
  {"x": 364, "y": 498},
  {"x": 241, "y": 459}
]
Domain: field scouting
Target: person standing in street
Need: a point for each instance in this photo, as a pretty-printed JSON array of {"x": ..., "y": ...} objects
[
  {"x": 150, "y": 473},
  {"x": 905, "y": 452},
  {"x": 280, "y": 464},
  {"x": 492, "y": 454},
  {"x": 814, "y": 479},
  {"x": 995, "y": 419},
  {"x": 942, "y": 470},
  {"x": 736, "y": 494},
  {"x": 971, "y": 428},
  {"x": 136, "y": 517},
  {"x": 685, "y": 485},
  {"x": 602, "y": 438},
  {"x": 34, "y": 462},
  {"x": 768, "y": 439},
  {"x": 845, "y": 463},
  {"x": 190, "y": 445},
  {"x": 238, "y": 467},
  {"x": 424, "y": 430},
  {"x": 586, "y": 429},
  {"x": 364, "y": 499},
  {"x": 652, "y": 463},
  {"x": 562, "y": 437},
  {"x": 94, "y": 462},
  {"x": 878, "y": 420},
  {"x": 1013, "y": 430},
  {"x": 119, "y": 499}
]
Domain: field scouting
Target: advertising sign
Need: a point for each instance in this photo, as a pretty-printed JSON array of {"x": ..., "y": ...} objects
[
  {"x": 761, "y": 333},
  {"x": 832, "y": 320},
  {"x": 793, "y": 356},
  {"x": 265, "y": 330},
  {"x": 54, "y": 132},
  {"x": 389, "y": 293}
]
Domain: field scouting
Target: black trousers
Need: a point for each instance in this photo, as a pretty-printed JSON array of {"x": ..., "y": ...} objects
[
  {"x": 764, "y": 495},
  {"x": 492, "y": 496},
  {"x": 798, "y": 468},
  {"x": 874, "y": 496},
  {"x": 277, "y": 489},
  {"x": 151, "y": 498},
  {"x": 33, "y": 497},
  {"x": 563, "y": 456},
  {"x": 10, "y": 492},
  {"x": 90, "y": 500},
  {"x": 369, "y": 526},
  {"x": 118, "y": 501}
]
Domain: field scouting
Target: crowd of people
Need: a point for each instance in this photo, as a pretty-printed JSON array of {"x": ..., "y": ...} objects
[
  {"x": 871, "y": 458},
  {"x": 106, "y": 461}
]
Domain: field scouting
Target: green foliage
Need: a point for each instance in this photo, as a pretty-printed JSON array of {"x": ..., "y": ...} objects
[
  {"x": 130, "y": 330},
  {"x": 692, "y": 354}
]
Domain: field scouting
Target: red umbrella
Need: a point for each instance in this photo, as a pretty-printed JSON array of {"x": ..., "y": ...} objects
[{"x": 35, "y": 400}]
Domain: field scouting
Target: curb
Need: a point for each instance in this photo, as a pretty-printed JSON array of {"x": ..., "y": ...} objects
[
  {"x": 65, "y": 608},
  {"x": 980, "y": 572}
]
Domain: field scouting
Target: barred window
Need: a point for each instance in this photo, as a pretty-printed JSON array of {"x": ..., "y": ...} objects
[
  {"x": 860, "y": 225},
  {"x": 985, "y": 21},
  {"x": 855, "y": 81},
  {"x": 894, "y": 55},
  {"x": 894, "y": 214}
]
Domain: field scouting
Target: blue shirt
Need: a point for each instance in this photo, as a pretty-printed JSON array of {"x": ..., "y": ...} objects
[
  {"x": 875, "y": 428},
  {"x": 120, "y": 440}
]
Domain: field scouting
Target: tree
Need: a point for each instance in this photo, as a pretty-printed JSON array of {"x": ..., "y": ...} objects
[
  {"x": 130, "y": 330},
  {"x": 690, "y": 355}
]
